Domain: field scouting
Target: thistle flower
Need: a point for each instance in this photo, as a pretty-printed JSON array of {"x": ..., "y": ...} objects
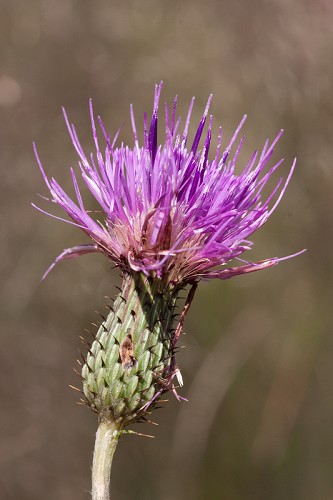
[
  {"x": 172, "y": 215},
  {"x": 169, "y": 211}
]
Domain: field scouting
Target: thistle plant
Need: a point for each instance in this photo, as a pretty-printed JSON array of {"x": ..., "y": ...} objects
[{"x": 172, "y": 215}]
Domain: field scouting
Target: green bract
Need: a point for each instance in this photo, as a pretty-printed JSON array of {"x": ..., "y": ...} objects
[{"x": 131, "y": 361}]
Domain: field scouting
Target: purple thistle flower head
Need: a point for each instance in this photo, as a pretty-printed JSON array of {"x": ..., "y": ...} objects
[{"x": 170, "y": 210}]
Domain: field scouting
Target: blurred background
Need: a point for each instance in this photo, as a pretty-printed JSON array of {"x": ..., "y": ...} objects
[{"x": 258, "y": 366}]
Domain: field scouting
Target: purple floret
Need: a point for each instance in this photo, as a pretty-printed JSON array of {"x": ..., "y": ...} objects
[{"x": 169, "y": 210}]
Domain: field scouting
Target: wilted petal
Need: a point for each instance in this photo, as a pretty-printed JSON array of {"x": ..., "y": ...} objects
[{"x": 71, "y": 253}]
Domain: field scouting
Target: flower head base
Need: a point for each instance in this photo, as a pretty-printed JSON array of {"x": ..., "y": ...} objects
[{"x": 170, "y": 211}]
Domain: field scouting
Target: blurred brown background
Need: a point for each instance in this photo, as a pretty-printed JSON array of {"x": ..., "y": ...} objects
[{"x": 258, "y": 368}]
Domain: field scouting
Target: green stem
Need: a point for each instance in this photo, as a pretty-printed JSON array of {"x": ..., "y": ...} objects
[{"x": 107, "y": 436}]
